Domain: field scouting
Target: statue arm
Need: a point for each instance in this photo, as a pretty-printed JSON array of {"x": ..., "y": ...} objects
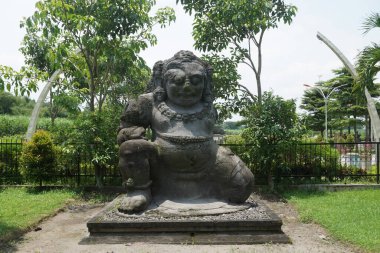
[{"x": 135, "y": 119}]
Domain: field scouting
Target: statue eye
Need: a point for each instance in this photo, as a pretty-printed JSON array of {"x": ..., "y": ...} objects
[
  {"x": 179, "y": 79},
  {"x": 196, "y": 79},
  {"x": 175, "y": 76}
]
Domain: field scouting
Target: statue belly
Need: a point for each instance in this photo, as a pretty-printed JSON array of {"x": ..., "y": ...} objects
[
  {"x": 187, "y": 158},
  {"x": 182, "y": 170}
]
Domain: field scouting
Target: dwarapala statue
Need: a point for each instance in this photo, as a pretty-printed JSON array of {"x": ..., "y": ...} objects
[{"x": 181, "y": 161}]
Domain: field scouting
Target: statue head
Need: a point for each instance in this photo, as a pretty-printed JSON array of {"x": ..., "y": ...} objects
[{"x": 184, "y": 79}]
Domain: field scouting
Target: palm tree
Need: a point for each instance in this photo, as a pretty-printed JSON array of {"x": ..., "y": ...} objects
[{"x": 369, "y": 59}]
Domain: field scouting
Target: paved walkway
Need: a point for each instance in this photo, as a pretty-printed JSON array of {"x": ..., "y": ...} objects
[{"x": 63, "y": 232}]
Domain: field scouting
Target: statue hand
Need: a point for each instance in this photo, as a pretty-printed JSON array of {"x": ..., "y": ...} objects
[
  {"x": 130, "y": 133},
  {"x": 137, "y": 133}
]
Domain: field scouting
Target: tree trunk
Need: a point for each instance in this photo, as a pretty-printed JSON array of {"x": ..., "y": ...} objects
[
  {"x": 92, "y": 95},
  {"x": 99, "y": 175},
  {"x": 259, "y": 93},
  {"x": 369, "y": 129},
  {"x": 270, "y": 181}
]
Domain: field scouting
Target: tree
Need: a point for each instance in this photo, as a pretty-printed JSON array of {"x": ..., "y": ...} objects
[
  {"x": 62, "y": 104},
  {"x": 15, "y": 105},
  {"x": 7, "y": 101},
  {"x": 96, "y": 43},
  {"x": 20, "y": 82},
  {"x": 368, "y": 59},
  {"x": 345, "y": 108},
  {"x": 312, "y": 102},
  {"x": 232, "y": 96},
  {"x": 272, "y": 127},
  {"x": 237, "y": 25},
  {"x": 348, "y": 109}
]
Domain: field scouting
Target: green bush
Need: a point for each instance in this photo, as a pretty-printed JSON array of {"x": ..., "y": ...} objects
[
  {"x": 18, "y": 125},
  {"x": 272, "y": 127},
  {"x": 61, "y": 129},
  {"x": 13, "y": 125},
  {"x": 237, "y": 144},
  {"x": 38, "y": 158},
  {"x": 95, "y": 135}
]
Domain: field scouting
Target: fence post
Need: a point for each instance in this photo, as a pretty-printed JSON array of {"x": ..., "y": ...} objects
[
  {"x": 377, "y": 161},
  {"x": 78, "y": 167}
]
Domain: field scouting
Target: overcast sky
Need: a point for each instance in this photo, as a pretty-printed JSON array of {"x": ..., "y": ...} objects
[{"x": 292, "y": 55}]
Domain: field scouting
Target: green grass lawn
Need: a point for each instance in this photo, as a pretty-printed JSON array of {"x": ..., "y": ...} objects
[
  {"x": 21, "y": 208},
  {"x": 352, "y": 216}
]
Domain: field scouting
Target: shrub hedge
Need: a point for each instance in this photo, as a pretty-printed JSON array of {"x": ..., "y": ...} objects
[
  {"x": 38, "y": 158},
  {"x": 18, "y": 125}
]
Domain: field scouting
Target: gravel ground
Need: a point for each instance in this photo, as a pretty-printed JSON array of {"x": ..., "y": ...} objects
[
  {"x": 251, "y": 211},
  {"x": 63, "y": 232}
]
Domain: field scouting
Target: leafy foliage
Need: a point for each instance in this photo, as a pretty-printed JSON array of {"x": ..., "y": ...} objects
[
  {"x": 346, "y": 106},
  {"x": 367, "y": 65},
  {"x": 95, "y": 43},
  {"x": 313, "y": 103},
  {"x": 272, "y": 128},
  {"x": 372, "y": 21},
  {"x": 20, "y": 82},
  {"x": 230, "y": 94},
  {"x": 95, "y": 133},
  {"x": 14, "y": 105},
  {"x": 237, "y": 25},
  {"x": 38, "y": 157},
  {"x": 17, "y": 125}
]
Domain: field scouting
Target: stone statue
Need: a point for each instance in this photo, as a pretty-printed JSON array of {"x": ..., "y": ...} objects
[{"x": 181, "y": 161}]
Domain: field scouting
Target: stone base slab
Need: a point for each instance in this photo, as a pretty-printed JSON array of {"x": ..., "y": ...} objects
[
  {"x": 253, "y": 225},
  {"x": 217, "y": 238}
]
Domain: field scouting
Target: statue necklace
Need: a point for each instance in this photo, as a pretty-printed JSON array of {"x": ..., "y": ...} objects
[{"x": 165, "y": 110}]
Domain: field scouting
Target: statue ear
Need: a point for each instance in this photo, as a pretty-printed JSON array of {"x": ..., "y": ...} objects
[
  {"x": 157, "y": 74},
  {"x": 156, "y": 79},
  {"x": 207, "y": 91}
]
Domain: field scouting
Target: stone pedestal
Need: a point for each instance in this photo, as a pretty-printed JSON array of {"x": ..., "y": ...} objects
[{"x": 194, "y": 222}]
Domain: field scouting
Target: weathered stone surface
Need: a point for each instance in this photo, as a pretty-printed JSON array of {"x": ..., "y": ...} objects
[
  {"x": 181, "y": 186},
  {"x": 256, "y": 237},
  {"x": 182, "y": 161},
  {"x": 253, "y": 224}
]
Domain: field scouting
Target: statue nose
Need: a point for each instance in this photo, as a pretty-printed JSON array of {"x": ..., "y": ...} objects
[{"x": 187, "y": 84}]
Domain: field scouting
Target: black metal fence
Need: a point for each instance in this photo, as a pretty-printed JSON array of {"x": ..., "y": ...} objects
[
  {"x": 300, "y": 163},
  {"x": 74, "y": 165},
  {"x": 331, "y": 162},
  {"x": 318, "y": 163},
  {"x": 10, "y": 152}
]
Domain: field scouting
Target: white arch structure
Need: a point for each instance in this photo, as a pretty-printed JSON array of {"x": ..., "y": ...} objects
[
  {"x": 375, "y": 121},
  {"x": 37, "y": 107}
]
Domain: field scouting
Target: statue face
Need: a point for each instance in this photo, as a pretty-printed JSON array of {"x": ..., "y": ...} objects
[{"x": 185, "y": 86}]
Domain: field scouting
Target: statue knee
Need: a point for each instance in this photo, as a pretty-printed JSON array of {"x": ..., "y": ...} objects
[
  {"x": 241, "y": 184},
  {"x": 134, "y": 162},
  {"x": 236, "y": 178}
]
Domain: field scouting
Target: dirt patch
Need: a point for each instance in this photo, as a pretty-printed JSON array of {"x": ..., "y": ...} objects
[{"x": 63, "y": 232}]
